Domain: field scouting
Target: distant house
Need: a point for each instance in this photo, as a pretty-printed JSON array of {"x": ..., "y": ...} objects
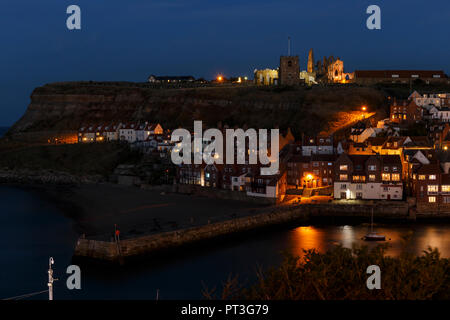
[
  {"x": 441, "y": 114},
  {"x": 398, "y": 76},
  {"x": 360, "y": 132},
  {"x": 431, "y": 187},
  {"x": 127, "y": 132},
  {"x": 112, "y": 131},
  {"x": 144, "y": 130},
  {"x": 234, "y": 176},
  {"x": 191, "y": 174},
  {"x": 170, "y": 79},
  {"x": 100, "y": 133},
  {"x": 368, "y": 177},
  {"x": 406, "y": 111},
  {"x": 436, "y": 99},
  {"x": 359, "y": 148},
  {"x": 312, "y": 171},
  {"x": 86, "y": 134},
  {"x": 213, "y": 175},
  {"x": 270, "y": 186},
  {"x": 317, "y": 145}
]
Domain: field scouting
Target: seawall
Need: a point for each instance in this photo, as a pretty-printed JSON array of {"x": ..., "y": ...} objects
[
  {"x": 147, "y": 244},
  {"x": 112, "y": 251}
]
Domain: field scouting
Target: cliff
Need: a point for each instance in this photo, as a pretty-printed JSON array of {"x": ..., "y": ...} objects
[{"x": 64, "y": 107}]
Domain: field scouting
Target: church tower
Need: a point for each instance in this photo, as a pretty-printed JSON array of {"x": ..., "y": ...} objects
[{"x": 289, "y": 73}]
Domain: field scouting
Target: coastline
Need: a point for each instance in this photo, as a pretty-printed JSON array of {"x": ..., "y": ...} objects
[{"x": 152, "y": 222}]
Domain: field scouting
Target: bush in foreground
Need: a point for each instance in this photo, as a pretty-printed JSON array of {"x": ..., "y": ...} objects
[{"x": 340, "y": 274}]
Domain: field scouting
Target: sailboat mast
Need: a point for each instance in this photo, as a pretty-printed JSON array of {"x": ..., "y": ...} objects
[{"x": 371, "y": 221}]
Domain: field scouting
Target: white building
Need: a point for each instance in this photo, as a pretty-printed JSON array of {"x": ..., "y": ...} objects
[
  {"x": 442, "y": 114},
  {"x": 128, "y": 132},
  {"x": 238, "y": 182},
  {"x": 376, "y": 177},
  {"x": 144, "y": 130},
  {"x": 86, "y": 134},
  {"x": 317, "y": 145},
  {"x": 112, "y": 132},
  {"x": 437, "y": 99}
]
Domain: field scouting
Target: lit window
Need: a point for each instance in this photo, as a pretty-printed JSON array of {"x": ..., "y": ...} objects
[
  {"x": 445, "y": 188},
  {"x": 395, "y": 177},
  {"x": 372, "y": 168},
  {"x": 431, "y": 199},
  {"x": 386, "y": 177},
  {"x": 421, "y": 177},
  {"x": 371, "y": 177},
  {"x": 343, "y": 167},
  {"x": 432, "y": 177},
  {"x": 433, "y": 188},
  {"x": 342, "y": 177}
]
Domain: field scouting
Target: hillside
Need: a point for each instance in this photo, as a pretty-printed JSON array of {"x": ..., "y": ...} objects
[{"x": 61, "y": 107}]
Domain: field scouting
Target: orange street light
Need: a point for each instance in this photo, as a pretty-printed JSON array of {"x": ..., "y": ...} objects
[
  {"x": 309, "y": 177},
  {"x": 219, "y": 78},
  {"x": 364, "y": 108}
]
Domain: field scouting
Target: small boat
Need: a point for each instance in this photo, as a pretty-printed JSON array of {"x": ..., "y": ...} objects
[{"x": 372, "y": 235}]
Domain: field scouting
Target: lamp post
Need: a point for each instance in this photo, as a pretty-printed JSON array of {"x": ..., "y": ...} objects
[{"x": 50, "y": 278}]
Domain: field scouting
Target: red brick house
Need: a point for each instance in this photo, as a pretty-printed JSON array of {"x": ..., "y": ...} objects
[
  {"x": 405, "y": 111},
  {"x": 312, "y": 171},
  {"x": 431, "y": 187}
]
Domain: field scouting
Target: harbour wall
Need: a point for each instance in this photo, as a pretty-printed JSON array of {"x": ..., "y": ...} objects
[{"x": 112, "y": 251}]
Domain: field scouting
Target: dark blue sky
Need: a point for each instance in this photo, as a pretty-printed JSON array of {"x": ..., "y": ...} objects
[{"x": 128, "y": 40}]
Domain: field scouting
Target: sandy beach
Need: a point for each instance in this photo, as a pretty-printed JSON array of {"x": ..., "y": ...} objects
[{"x": 96, "y": 208}]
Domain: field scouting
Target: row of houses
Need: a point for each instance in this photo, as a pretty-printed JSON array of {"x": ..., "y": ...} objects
[
  {"x": 244, "y": 177},
  {"x": 129, "y": 131},
  {"x": 421, "y": 107}
]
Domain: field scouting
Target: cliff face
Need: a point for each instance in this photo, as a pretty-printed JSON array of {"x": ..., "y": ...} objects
[{"x": 67, "y": 106}]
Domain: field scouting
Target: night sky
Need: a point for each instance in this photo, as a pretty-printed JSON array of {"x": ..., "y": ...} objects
[{"x": 128, "y": 40}]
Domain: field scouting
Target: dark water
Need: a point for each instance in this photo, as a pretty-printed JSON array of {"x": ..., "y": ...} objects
[{"x": 31, "y": 230}]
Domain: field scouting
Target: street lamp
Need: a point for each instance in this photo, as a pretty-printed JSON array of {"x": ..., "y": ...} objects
[
  {"x": 364, "y": 108},
  {"x": 309, "y": 178}
]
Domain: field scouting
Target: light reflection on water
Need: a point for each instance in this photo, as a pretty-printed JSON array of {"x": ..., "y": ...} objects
[
  {"x": 32, "y": 230},
  {"x": 412, "y": 238}
]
